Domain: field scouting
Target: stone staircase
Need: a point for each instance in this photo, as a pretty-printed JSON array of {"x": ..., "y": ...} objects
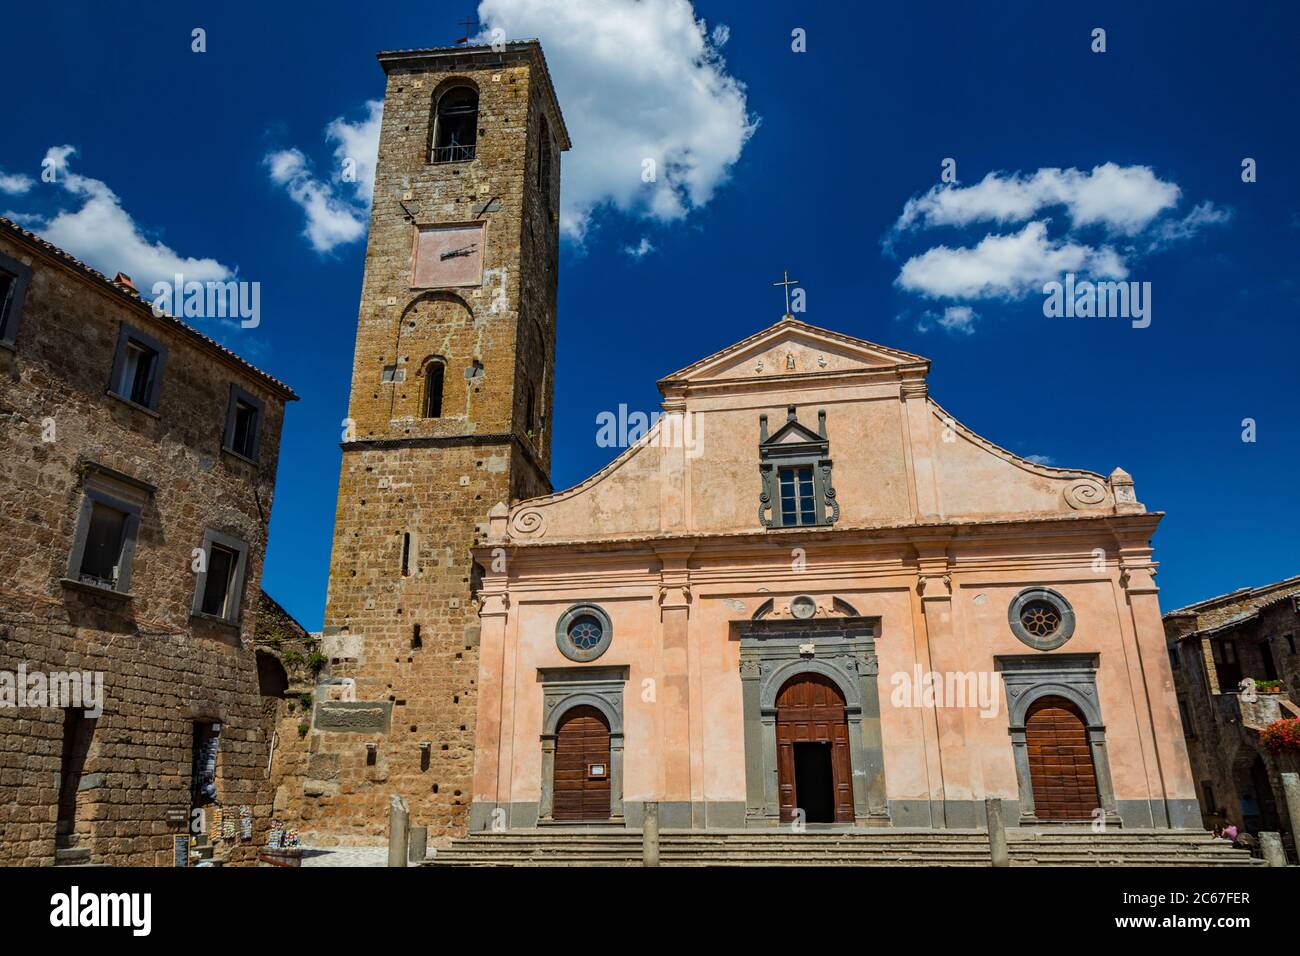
[
  {"x": 68, "y": 851},
  {"x": 870, "y": 847}
]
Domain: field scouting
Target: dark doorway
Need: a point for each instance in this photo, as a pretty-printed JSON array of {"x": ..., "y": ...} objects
[
  {"x": 814, "y": 782},
  {"x": 1229, "y": 667},
  {"x": 1258, "y": 808},
  {"x": 78, "y": 731},
  {"x": 272, "y": 680},
  {"x": 1266, "y": 658},
  {"x": 810, "y": 711}
]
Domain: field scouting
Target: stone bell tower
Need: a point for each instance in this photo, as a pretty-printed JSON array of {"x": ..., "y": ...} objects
[{"x": 450, "y": 413}]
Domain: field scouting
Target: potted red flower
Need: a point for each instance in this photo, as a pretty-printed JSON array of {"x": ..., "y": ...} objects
[{"x": 1282, "y": 736}]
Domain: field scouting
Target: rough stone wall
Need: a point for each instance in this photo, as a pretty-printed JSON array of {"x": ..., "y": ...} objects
[
  {"x": 433, "y": 479},
  {"x": 1221, "y": 749},
  {"x": 161, "y": 669},
  {"x": 287, "y": 653}
]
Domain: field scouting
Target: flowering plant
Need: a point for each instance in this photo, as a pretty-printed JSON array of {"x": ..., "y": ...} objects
[{"x": 1282, "y": 736}]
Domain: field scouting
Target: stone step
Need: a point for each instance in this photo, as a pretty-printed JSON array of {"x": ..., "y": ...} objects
[
  {"x": 66, "y": 840},
  {"x": 71, "y": 856},
  {"x": 867, "y": 847}
]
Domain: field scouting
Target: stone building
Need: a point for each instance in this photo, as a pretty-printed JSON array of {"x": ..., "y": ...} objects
[
  {"x": 1236, "y": 671},
  {"x": 449, "y": 413},
  {"x": 137, "y": 466},
  {"x": 800, "y": 594}
]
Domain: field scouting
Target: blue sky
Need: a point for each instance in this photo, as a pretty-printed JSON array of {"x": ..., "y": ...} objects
[{"x": 832, "y": 144}]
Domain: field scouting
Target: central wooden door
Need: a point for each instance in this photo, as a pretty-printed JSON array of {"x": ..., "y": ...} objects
[
  {"x": 582, "y": 766},
  {"x": 810, "y": 712},
  {"x": 1060, "y": 761}
]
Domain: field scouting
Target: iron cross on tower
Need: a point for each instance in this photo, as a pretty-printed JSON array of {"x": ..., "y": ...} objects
[{"x": 787, "y": 282}]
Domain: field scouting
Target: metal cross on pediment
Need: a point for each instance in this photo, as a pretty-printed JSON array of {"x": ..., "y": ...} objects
[
  {"x": 468, "y": 24},
  {"x": 787, "y": 282}
]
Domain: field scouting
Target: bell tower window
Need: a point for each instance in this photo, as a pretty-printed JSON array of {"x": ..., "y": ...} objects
[
  {"x": 434, "y": 373},
  {"x": 455, "y": 128}
]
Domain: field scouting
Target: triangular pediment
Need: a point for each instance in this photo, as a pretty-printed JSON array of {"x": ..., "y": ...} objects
[
  {"x": 793, "y": 348},
  {"x": 794, "y": 433}
]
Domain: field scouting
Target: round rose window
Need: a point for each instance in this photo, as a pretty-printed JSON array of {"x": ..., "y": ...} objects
[
  {"x": 585, "y": 632},
  {"x": 1040, "y": 619}
]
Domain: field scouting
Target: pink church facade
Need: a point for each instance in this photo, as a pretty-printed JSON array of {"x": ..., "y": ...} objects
[{"x": 809, "y": 594}]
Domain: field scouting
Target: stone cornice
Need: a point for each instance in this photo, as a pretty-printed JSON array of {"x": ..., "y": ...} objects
[{"x": 913, "y": 535}]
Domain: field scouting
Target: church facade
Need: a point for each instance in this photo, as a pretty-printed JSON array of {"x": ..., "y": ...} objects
[{"x": 807, "y": 594}]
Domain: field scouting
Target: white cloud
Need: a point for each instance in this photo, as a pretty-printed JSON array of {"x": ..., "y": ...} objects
[
  {"x": 28, "y": 220},
  {"x": 105, "y": 235},
  {"x": 1130, "y": 204},
  {"x": 331, "y": 220},
  {"x": 955, "y": 318},
  {"x": 336, "y": 209},
  {"x": 1202, "y": 215},
  {"x": 641, "y": 249},
  {"x": 1038, "y": 459},
  {"x": 357, "y": 148},
  {"x": 1008, "y": 266},
  {"x": 637, "y": 80},
  {"x": 1123, "y": 199},
  {"x": 15, "y": 184}
]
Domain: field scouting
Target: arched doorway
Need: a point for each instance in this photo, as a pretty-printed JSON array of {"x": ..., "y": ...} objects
[
  {"x": 1060, "y": 761},
  {"x": 812, "y": 738},
  {"x": 1257, "y": 805},
  {"x": 582, "y": 766}
]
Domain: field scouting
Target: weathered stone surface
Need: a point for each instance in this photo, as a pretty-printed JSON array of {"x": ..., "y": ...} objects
[
  {"x": 1248, "y": 633},
  {"x": 351, "y": 717},
  {"x": 435, "y": 478},
  {"x": 162, "y": 670}
]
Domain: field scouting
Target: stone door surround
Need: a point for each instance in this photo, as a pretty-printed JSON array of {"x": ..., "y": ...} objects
[
  {"x": 564, "y": 688},
  {"x": 841, "y": 649}
]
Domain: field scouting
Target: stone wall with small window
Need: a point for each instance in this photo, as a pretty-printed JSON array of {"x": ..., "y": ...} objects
[{"x": 131, "y": 542}]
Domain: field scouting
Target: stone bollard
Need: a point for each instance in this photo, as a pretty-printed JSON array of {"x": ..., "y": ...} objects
[
  {"x": 1291, "y": 790},
  {"x": 650, "y": 836},
  {"x": 998, "y": 848},
  {"x": 419, "y": 843},
  {"x": 1270, "y": 844},
  {"x": 398, "y": 819}
]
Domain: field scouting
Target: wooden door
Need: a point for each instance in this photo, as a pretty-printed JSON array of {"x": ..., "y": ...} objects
[
  {"x": 810, "y": 709},
  {"x": 1060, "y": 761},
  {"x": 582, "y": 766}
]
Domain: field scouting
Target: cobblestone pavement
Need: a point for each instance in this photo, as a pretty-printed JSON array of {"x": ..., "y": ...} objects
[{"x": 345, "y": 856}]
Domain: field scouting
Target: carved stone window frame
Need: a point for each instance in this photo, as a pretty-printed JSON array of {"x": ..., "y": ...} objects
[
  {"x": 564, "y": 688},
  {"x": 566, "y": 645},
  {"x": 1054, "y": 598},
  {"x": 777, "y": 451}
]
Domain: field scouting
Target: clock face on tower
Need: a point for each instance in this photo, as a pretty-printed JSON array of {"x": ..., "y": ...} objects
[{"x": 446, "y": 256}]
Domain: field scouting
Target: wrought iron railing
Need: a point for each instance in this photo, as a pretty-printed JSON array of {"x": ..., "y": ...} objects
[{"x": 452, "y": 154}]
